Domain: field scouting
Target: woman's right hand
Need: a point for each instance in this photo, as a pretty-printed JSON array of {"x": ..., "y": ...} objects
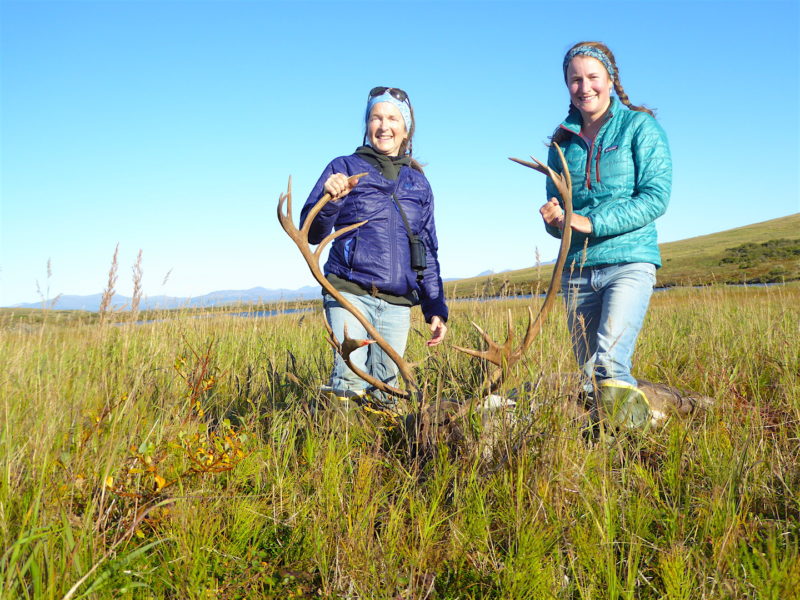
[
  {"x": 337, "y": 185},
  {"x": 552, "y": 213}
]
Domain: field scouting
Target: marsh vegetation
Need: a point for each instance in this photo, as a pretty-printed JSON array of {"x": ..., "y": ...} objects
[{"x": 179, "y": 459}]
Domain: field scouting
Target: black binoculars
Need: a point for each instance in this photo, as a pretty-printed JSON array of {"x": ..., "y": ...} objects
[{"x": 419, "y": 259}]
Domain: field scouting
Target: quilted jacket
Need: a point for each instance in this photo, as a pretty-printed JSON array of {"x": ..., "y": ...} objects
[
  {"x": 377, "y": 253},
  {"x": 621, "y": 182}
]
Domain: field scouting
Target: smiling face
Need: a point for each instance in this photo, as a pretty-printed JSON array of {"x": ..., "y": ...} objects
[
  {"x": 386, "y": 129},
  {"x": 589, "y": 87}
]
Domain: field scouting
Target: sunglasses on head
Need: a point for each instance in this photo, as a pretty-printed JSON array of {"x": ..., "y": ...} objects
[{"x": 395, "y": 93}]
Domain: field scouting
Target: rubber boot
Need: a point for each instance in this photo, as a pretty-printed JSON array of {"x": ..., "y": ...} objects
[
  {"x": 623, "y": 405},
  {"x": 340, "y": 401},
  {"x": 345, "y": 401}
]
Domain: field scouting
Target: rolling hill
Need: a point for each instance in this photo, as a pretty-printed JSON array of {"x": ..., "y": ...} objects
[{"x": 764, "y": 252}]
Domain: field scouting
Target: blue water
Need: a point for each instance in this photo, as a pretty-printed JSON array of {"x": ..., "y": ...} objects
[
  {"x": 247, "y": 315},
  {"x": 268, "y": 313},
  {"x": 262, "y": 314},
  {"x": 657, "y": 289}
]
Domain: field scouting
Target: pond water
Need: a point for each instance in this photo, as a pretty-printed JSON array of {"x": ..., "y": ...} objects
[
  {"x": 262, "y": 314},
  {"x": 656, "y": 289},
  {"x": 268, "y": 313},
  {"x": 250, "y": 314}
]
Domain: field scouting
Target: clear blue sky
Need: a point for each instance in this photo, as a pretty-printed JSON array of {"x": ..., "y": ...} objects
[{"x": 173, "y": 126}]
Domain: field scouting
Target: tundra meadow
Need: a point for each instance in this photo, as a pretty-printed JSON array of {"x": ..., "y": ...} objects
[{"x": 181, "y": 458}]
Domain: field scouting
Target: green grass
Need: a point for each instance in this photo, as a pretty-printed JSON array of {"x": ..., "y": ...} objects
[
  {"x": 332, "y": 506},
  {"x": 703, "y": 260}
]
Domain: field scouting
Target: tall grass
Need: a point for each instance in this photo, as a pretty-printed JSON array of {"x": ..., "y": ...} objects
[{"x": 110, "y": 432}]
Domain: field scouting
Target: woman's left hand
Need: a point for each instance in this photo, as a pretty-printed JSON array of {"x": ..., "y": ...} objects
[{"x": 438, "y": 330}]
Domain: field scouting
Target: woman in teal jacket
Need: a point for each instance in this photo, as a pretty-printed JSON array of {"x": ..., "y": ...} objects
[{"x": 619, "y": 160}]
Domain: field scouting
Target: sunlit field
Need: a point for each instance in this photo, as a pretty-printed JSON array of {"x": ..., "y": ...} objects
[{"x": 182, "y": 459}]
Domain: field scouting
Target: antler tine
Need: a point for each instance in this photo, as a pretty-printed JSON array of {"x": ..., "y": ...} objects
[
  {"x": 350, "y": 345},
  {"x": 536, "y": 165},
  {"x": 503, "y": 356},
  {"x": 286, "y": 198},
  {"x": 300, "y": 238},
  {"x": 495, "y": 353}
]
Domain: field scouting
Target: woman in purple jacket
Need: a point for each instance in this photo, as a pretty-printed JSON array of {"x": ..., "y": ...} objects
[{"x": 372, "y": 265}]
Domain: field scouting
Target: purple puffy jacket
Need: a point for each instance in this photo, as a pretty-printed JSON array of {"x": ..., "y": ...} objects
[{"x": 377, "y": 253}]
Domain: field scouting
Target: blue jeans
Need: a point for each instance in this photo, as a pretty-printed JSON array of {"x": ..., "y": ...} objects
[
  {"x": 606, "y": 307},
  {"x": 392, "y": 323}
]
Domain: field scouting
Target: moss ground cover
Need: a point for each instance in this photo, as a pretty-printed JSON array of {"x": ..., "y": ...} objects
[{"x": 179, "y": 459}]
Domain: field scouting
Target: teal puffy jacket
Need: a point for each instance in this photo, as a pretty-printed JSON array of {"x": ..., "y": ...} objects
[{"x": 621, "y": 182}]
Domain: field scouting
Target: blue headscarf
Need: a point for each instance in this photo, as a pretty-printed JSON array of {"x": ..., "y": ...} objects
[{"x": 594, "y": 53}]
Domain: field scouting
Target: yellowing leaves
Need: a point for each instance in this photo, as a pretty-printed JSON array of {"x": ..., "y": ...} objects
[{"x": 160, "y": 459}]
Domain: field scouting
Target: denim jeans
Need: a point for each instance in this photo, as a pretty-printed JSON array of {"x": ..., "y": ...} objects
[
  {"x": 606, "y": 307},
  {"x": 392, "y": 323}
]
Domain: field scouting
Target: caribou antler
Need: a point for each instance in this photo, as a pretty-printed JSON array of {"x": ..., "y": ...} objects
[
  {"x": 312, "y": 258},
  {"x": 505, "y": 356}
]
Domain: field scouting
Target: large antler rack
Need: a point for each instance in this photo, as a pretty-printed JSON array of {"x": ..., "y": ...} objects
[
  {"x": 312, "y": 258},
  {"x": 505, "y": 356}
]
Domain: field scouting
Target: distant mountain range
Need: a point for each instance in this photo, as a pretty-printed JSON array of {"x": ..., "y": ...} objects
[
  {"x": 748, "y": 254},
  {"x": 251, "y": 296},
  {"x": 254, "y": 295}
]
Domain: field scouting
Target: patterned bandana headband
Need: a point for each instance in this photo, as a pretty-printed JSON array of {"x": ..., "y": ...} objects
[
  {"x": 401, "y": 106},
  {"x": 589, "y": 51}
]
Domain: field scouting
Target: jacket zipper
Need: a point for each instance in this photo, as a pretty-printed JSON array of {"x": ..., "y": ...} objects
[
  {"x": 597, "y": 162},
  {"x": 588, "y": 170},
  {"x": 350, "y": 252},
  {"x": 589, "y": 166},
  {"x": 393, "y": 244},
  {"x": 597, "y": 158}
]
